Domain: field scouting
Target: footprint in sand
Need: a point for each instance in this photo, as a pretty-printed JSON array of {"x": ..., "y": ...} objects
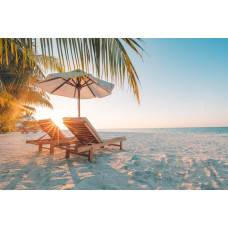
[
  {"x": 207, "y": 172},
  {"x": 143, "y": 177},
  {"x": 135, "y": 161},
  {"x": 210, "y": 171},
  {"x": 159, "y": 176}
]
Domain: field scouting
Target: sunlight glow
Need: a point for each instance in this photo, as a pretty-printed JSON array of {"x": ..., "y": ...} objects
[
  {"x": 190, "y": 91},
  {"x": 57, "y": 119}
]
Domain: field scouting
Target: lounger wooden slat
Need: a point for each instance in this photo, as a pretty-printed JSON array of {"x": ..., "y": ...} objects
[
  {"x": 57, "y": 138},
  {"x": 88, "y": 138}
]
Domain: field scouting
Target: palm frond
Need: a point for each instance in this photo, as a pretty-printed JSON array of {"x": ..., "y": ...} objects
[
  {"x": 107, "y": 57},
  {"x": 20, "y": 69},
  {"x": 34, "y": 96}
]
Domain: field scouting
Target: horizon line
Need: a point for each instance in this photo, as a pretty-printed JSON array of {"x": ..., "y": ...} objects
[{"x": 156, "y": 128}]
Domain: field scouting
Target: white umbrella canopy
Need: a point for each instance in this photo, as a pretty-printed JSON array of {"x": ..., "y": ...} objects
[
  {"x": 28, "y": 118},
  {"x": 18, "y": 125},
  {"x": 76, "y": 84}
]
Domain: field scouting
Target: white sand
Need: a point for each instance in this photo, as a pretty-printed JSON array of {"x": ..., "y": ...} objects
[{"x": 149, "y": 161}]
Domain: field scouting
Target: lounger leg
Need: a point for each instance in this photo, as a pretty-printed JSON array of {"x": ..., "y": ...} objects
[
  {"x": 40, "y": 147},
  {"x": 51, "y": 148},
  {"x": 91, "y": 155},
  {"x": 67, "y": 153},
  {"x": 121, "y": 145}
]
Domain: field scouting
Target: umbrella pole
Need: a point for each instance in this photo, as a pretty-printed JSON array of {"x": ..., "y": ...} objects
[{"x": 78, "y": 102}]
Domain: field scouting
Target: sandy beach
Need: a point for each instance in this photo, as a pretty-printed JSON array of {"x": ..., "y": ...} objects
[{"x": 150, "y": 160}]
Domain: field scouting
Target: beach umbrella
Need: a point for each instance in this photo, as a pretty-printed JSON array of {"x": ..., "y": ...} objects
[
  {"x": 18, "y": 125},
  {"x": 27, "y": 118},
  {"x": 76, "y": 84}
]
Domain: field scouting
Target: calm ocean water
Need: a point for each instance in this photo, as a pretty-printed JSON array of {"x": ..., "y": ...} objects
[{"x": 196, "y": 130}]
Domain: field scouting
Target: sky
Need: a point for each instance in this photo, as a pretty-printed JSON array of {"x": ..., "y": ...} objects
[{"x": 183, "y": 84}]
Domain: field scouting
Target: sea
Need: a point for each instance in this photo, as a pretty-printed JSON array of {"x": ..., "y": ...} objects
[{"x": 197, "y": 130}]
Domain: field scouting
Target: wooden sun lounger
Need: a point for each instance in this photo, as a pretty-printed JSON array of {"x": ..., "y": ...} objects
[
  {"x": 88, "y": 138},
  {"x": 26, "y": 130},
  {"x": 57, "y": 138}
]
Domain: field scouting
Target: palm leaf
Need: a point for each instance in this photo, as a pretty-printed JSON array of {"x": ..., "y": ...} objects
[{"x": 107, "y": 57}]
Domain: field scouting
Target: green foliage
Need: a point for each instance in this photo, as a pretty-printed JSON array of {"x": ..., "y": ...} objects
[
  {"x": 18, "y": 90},
  {"x": 107, "y": 57},
  {"x": 20, "y": 68}
]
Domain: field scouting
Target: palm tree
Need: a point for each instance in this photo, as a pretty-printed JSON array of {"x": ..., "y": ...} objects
[
  {"x": 107, "y": 57},
  {"x": 17, "y": 87}
]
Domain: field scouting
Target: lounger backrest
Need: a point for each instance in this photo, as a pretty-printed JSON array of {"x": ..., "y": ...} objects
[
  {"x": 51, "y": 129},
  {"x": 82, "y": 129},
  {"x": 25, "y": 129}
]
